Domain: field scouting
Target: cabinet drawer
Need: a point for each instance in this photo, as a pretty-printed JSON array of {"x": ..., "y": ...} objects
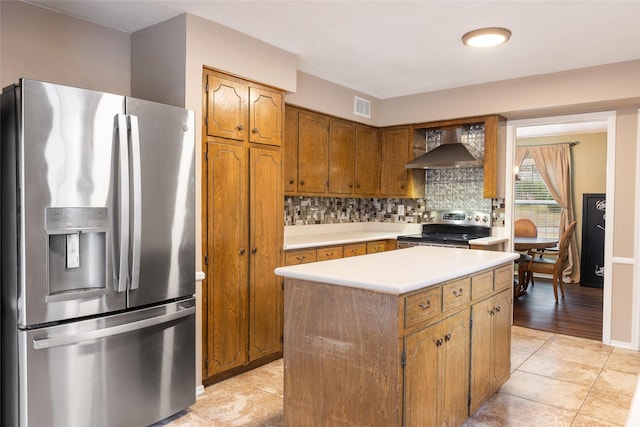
[
  {"x": 456, "y": 293},
  {"x": 355, "y": 249},
  {"x": 422, "y": 306},
  {"x": 504, "y": 278},
  {"x": 300, "y": 257},
  {"x": 373, "y": 247},
  {"x": 332, "y": 252},
  {"x": 481, "y": 285}
]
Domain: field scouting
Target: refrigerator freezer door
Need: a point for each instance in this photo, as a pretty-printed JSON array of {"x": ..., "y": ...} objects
[
  {"x": 64, "y": 166},
  {"x": 163, "y": 204},
  {"x": 131, "y": 369}
]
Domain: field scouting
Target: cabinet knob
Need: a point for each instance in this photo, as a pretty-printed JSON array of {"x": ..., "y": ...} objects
[
  {"x": 301, "y": 257},
  {"x": 447, "y": 337},
  {"x": 301, "y": 182},
  {"x": 241, "y": 251},
  {"x": 291, "y": 181},
  {"x": 254, "y": 250},
  {"x": 457, "y": 292},
  {"x": 439, "y": 342},
  {"x": 240, "y": 127},
  {"x": 425, "y": 306},
  {"x": 497, "y": 308},
  {"x": 255, "y": 130}
]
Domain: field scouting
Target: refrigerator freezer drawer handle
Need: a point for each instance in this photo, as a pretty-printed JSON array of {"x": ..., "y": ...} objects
[
  {"x": 123, "y": 193},
  {"x": 137, "y": 201},
  {"x": 44, "y": 343}
]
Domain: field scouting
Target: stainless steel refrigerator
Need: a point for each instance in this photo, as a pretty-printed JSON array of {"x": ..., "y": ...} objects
[{"x": 98, "y": 258}]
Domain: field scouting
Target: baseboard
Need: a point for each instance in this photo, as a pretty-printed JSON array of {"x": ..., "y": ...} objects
[{"x": 199, "y": 390}]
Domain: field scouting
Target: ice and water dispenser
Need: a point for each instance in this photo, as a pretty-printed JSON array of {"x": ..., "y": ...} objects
[{"x": 77, "y": 253}]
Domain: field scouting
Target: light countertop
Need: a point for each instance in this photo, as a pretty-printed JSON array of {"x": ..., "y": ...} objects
[
  {"x": 399, "y": 271},
  {"x": 309, "y": 236},
  {"x": 488, "y": 241}
]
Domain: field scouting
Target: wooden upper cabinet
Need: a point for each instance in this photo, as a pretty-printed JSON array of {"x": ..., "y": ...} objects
[
  {"x": 313, "y": 154},
  {"x": 396, "y": 151},
  {"x": 367, "y": 163},
  {"x": 290, "y": 165},
  {"x": 226, "y": 107},
  {"x": 342, "y": 156},
  {"x": 265, "y": 116},
  {"x": 494, "y": 156}
]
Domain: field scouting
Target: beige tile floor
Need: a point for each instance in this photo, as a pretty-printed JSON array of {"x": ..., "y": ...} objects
[{"x": 556, "y": 380}]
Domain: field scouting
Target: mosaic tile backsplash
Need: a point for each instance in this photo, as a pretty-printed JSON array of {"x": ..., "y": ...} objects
[{"x": 333, "y": 210}]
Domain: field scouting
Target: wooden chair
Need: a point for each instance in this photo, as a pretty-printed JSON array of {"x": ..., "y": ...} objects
[
  {"x": 524, "y": 227},
  {"x": 543, "y": 264}
]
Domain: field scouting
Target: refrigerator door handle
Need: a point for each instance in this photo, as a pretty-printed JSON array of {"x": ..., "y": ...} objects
[
  {"x": 44, "y": 343},
  {"x": 137, "y": 201},
  {"x": 123, "y": 196}
]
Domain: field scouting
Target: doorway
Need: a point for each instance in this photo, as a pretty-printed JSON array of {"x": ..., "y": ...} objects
[{"x": 554, "y": 129}]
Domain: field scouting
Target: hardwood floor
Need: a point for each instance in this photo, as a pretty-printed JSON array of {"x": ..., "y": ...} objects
[{"x": 579, "y": 314}]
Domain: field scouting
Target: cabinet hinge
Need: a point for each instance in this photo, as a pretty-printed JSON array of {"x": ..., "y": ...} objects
[
  {"x": 206, "y": 260},
  {"x": 403, "y": 359},
  {"x": 470, "y": 322}
]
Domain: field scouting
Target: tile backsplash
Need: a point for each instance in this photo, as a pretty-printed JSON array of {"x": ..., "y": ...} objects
[
  {"x": 456, "y": 188},
  {"x": 301, "y": 210},
  {"x": 334, "y": 210}
]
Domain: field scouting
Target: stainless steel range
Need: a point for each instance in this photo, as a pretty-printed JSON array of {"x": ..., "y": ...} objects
[{"x": 451, "y": 228}]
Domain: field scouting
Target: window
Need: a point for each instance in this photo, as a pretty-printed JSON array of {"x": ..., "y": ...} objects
[{"x": 534, "y": 201}]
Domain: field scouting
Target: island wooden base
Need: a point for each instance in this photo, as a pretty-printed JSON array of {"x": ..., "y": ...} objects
[{"x": 356, "y": 357}]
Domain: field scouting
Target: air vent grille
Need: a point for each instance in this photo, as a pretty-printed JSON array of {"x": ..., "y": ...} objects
[{"x": 361, "y": 107}]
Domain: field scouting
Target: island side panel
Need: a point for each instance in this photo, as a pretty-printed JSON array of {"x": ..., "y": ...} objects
[{"x": 341, "y": 358}]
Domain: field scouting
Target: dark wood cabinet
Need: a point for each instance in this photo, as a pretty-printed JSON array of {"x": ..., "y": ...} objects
[{"x": 593, "y": 225}]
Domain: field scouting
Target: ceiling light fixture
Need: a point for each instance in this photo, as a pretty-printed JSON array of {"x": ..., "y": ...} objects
[{"x": 486, "y": 37}]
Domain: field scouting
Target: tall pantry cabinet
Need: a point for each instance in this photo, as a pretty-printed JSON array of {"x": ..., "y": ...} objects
[{"x": 243, "y": 205}]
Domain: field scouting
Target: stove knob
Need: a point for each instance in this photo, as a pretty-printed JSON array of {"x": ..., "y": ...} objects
[
  {"x": 469, "y": 218},
  {"x": 477, "y": 218},
  {"x": 485, "y": 218}
]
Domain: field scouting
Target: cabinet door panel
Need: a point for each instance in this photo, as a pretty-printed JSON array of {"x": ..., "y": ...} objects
[
  {"x": 481, "y": 358},
  {"x": 290, "y": 166},
  {"x": 226, "y": 112},
  {"x": 265, "y": 116},
  {"x": 502, "y": 337},
  {"x": 313, "y": 154},
  {"x": 265, "y": 247},
  {"x": 342, "y": 156},
  {"x": 227, "y": 248},
  {"x": 456, "y": 370},
  {"x": 394, "y": 180},
  {"x": 367, "y": 161},
  {"x": 421, "y": 377}
]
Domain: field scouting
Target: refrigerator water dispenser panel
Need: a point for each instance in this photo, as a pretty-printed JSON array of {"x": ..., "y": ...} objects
[{"x": 77, "y": 252}]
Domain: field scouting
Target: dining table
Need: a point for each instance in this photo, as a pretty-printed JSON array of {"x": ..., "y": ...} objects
[{"x": 525, "y": 244}]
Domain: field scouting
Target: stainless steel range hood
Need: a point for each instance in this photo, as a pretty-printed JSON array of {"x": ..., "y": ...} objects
[{"x": 451, "y": 153}]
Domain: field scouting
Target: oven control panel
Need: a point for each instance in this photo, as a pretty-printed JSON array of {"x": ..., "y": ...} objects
[{"x": 458, "y": 217}]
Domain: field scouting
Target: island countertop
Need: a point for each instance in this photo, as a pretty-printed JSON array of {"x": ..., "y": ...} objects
[{"x": 399, "y": 271}]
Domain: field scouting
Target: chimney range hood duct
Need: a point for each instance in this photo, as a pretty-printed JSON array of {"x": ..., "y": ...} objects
[{"x": 451, "y": 153}]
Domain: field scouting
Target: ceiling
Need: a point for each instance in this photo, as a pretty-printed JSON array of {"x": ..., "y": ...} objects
[{"x": 389, "y": 48}]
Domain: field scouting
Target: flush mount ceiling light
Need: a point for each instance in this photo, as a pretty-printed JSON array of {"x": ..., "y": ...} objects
[{"x": 486, "y": 37}]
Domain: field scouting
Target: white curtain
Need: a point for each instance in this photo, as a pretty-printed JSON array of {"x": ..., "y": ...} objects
[{"x": 554, "y": 165}]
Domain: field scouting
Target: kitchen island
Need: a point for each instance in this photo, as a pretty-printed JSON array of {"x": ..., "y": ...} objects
[{"x": 415, "y": 337}]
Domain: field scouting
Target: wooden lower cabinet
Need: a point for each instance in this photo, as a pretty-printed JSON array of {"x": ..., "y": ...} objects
[
  {"x": 436, "y": 383},
  {"x": 359, "y": 357},
  {"x": 491, "y": 344},
  {"x": 243, "y": 308},
  {"x": 303, "y": 256}
]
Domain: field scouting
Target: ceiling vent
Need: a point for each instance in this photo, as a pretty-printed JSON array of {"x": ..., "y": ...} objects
[{"x": 361, "y": 107}]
